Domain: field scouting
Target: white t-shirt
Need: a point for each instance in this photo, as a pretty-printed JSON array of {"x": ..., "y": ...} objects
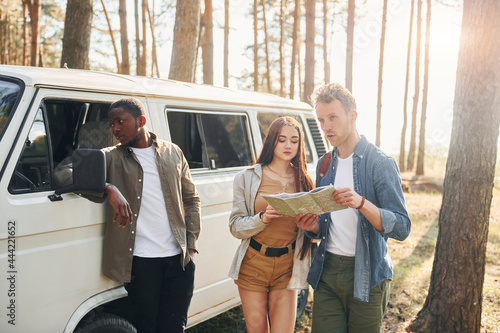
[
  {"x": 344, "y": 227},
  {"x": 154, "y": 237}
]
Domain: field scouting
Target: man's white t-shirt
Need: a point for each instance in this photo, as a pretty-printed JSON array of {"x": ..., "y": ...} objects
[
  {"x": 344, "y": 227},
  {"x": 154, "y": 237}
]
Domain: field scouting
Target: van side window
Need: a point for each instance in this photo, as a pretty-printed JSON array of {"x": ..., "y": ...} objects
[
  {"x": 9, "y": 94},
  {"x": 60, "y": 126},
  {"x": 33, "y": 169},
  {"x": 209, "y": 140},
  {"x": 266, "y": 118}
]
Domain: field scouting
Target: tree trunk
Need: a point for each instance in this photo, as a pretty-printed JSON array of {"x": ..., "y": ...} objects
[
  {"x": 112, "y": 37},
  {"x": 207, "y": 45},
  {"x": 154, "y": 63},
  {"x": 309, "y": 61},
  {"x": 380, "y": 75},
  {"x": 25, "y": 33},
  {"x": 76, "y": 38},
  {"x": 143, "y": 59},
  {"x": 138, "y": 63},
  {"x": 255, "y": 49},
  {"x": 350, "y": 44},
  {"x": 326, "y": 63},
  {"x": 226, "y": 43},
  {"x": 266, "y": 43},
  {"x": 402, "y": 147},
  {"x": 35, "y": 10},
  {"x": 294, "y": 47},
  {"x": 187, "y": 25},
  {"x": 282, "y": 38},
  {"x": 125, "y": 65},
  {"x": 423, "y": 114},
  {"x": 413, "y": 132},
  {"x": 454, "y": 301}
]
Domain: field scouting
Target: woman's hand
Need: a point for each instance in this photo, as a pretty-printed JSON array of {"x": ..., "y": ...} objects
[{"x": 270, "y": 214}]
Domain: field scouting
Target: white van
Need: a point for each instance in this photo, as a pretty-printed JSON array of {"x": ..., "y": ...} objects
[{"x": 50, "y": 246}]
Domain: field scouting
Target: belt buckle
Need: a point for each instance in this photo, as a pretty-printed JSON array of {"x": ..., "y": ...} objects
[{"x": 275, "y": 252}]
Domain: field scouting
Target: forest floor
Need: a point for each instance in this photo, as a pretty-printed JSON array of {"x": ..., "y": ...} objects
[{"x": 412, "y": 260}]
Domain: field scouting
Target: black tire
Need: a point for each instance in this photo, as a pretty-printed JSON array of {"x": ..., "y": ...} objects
[
  {"x": 108, "y": 323},
  {"x": 302, "y": 296}
]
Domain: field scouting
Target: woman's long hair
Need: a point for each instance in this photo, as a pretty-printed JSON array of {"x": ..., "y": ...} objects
[{"x": 303, "y": 181}]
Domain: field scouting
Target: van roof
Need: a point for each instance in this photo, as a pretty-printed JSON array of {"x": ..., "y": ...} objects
[{"x": 84, "y": 80}]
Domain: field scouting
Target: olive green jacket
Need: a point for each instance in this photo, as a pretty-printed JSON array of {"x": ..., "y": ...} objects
[{"x": 181, "y": 200}]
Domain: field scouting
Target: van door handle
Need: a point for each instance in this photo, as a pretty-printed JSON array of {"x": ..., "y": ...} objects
[{"x": 212, "y": 165}]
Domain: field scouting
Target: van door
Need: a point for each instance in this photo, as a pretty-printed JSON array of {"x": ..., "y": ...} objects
[{"x": 53, "y": 247}]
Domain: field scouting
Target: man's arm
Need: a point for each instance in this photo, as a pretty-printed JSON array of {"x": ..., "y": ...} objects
[{"x": 120, "y": 205}]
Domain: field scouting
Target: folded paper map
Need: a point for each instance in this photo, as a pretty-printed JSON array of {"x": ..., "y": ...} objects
[{"x": 317, "y": 201}]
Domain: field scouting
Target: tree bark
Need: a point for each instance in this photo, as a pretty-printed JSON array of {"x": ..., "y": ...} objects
[
  {"x": 282, "y": 39},
  {"x": 402, "y": 147},
  {"x": 326, "y": 63},
  {"x": 294, "y": 47},
  {"x": 255, "y": 49},
  {"x": 423, "y": 114},
  {"x": 35, "y": 10},
  {"x": 154, "y": 62},
  {"x": 226, "y": 43},
  {"x": 112, "y": 37},
  {"x": 76, "y": 38},
  {"x": 25, "y": 33},
  {"x": 309, "y": 60},
  {"x": 266, "y": 44},
  {"x": 454, "y": 301},
  {"x": 144, "y": 56},
  {"x": 138, "y": 63},
  {"x": 351, "y": 8},
  {"x": 187, "y": 25},
  {"x": 207, "y": 45},
  {"x": 413, "y": 133},
  {"x": 380, "y": 75},
  {"x": 125, "y": 65}
]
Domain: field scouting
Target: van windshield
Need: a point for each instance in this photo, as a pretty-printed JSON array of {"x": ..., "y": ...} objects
[{"x": 9, "y": 94}]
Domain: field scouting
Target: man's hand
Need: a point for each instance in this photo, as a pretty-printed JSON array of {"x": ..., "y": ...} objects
[
  {"x": 191, "y": 253},
  {"x": 308, "y": 222},
  {"x": 347, "y": 197},
  {"x": 120, "y": 205}
]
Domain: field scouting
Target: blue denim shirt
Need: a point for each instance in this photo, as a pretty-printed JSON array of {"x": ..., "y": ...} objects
[{"x": 376, "y": 176}]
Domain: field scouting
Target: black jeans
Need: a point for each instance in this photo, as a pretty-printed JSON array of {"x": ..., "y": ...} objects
[{"x": 161, "y": 291}]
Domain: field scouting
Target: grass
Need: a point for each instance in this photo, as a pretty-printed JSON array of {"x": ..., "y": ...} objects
[{"x": 412, "y": 261}]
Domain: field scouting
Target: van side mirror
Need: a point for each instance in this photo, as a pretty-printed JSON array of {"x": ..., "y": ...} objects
[{"x": 89, "y": 172}]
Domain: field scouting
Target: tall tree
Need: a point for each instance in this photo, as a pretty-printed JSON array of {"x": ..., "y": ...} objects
[
  {"x": 187, "y": 24},
  {"x": 226, "y": 43},
  {"x": 35, "y": 10},
  {"x": 282, "y": 40},
  {"x": 76, "y": 38},
  {"x": 351, "y": 11},
  {"x": 454, "y": 301},
  {"x": 117, "y": 59},
  {"x": 423, "y": 114},
  {"x": 413, "y": 132},
  {"x": 326, "y": 63},
  {"x": 266, "y": 44},
  {"x": 402, "y": 147},
  {"x": 380, "y": 75},
  {"x": 310, "y": 6},
  {"x": 154, "y": 62},
  {"x": 207, "y": 44},
  {"x": 122, "y": 11},
  {"x": 138, "y": 64},
  {"x": 144, "y": 56},
  {"x": 255, "y": 49},
  {"x": 295, "y": 46},
  {"x": 25, "y": 33}
]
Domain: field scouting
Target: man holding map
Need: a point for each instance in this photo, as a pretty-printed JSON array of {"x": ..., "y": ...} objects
[{"x": 351, "y": 269}]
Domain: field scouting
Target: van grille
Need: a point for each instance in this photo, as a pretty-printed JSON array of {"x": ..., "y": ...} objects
[{"x": 317, "y": 136}]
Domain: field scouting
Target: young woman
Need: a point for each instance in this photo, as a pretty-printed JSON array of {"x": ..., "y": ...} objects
[{"x": 273, "y": 258}]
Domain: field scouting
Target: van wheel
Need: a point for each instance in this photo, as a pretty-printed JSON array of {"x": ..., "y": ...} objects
[
  {"x": 302, "y": 296},
  {"x": 108, "y": 323}
]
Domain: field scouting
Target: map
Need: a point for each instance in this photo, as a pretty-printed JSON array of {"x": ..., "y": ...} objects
[{"x": 317, "y": 201}]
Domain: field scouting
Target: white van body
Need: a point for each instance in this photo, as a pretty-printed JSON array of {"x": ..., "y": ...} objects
[{"x": 50, "y": 251}]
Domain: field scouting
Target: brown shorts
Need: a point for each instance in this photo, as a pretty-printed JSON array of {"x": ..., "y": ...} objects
[{"x": 261, "y": 273}]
